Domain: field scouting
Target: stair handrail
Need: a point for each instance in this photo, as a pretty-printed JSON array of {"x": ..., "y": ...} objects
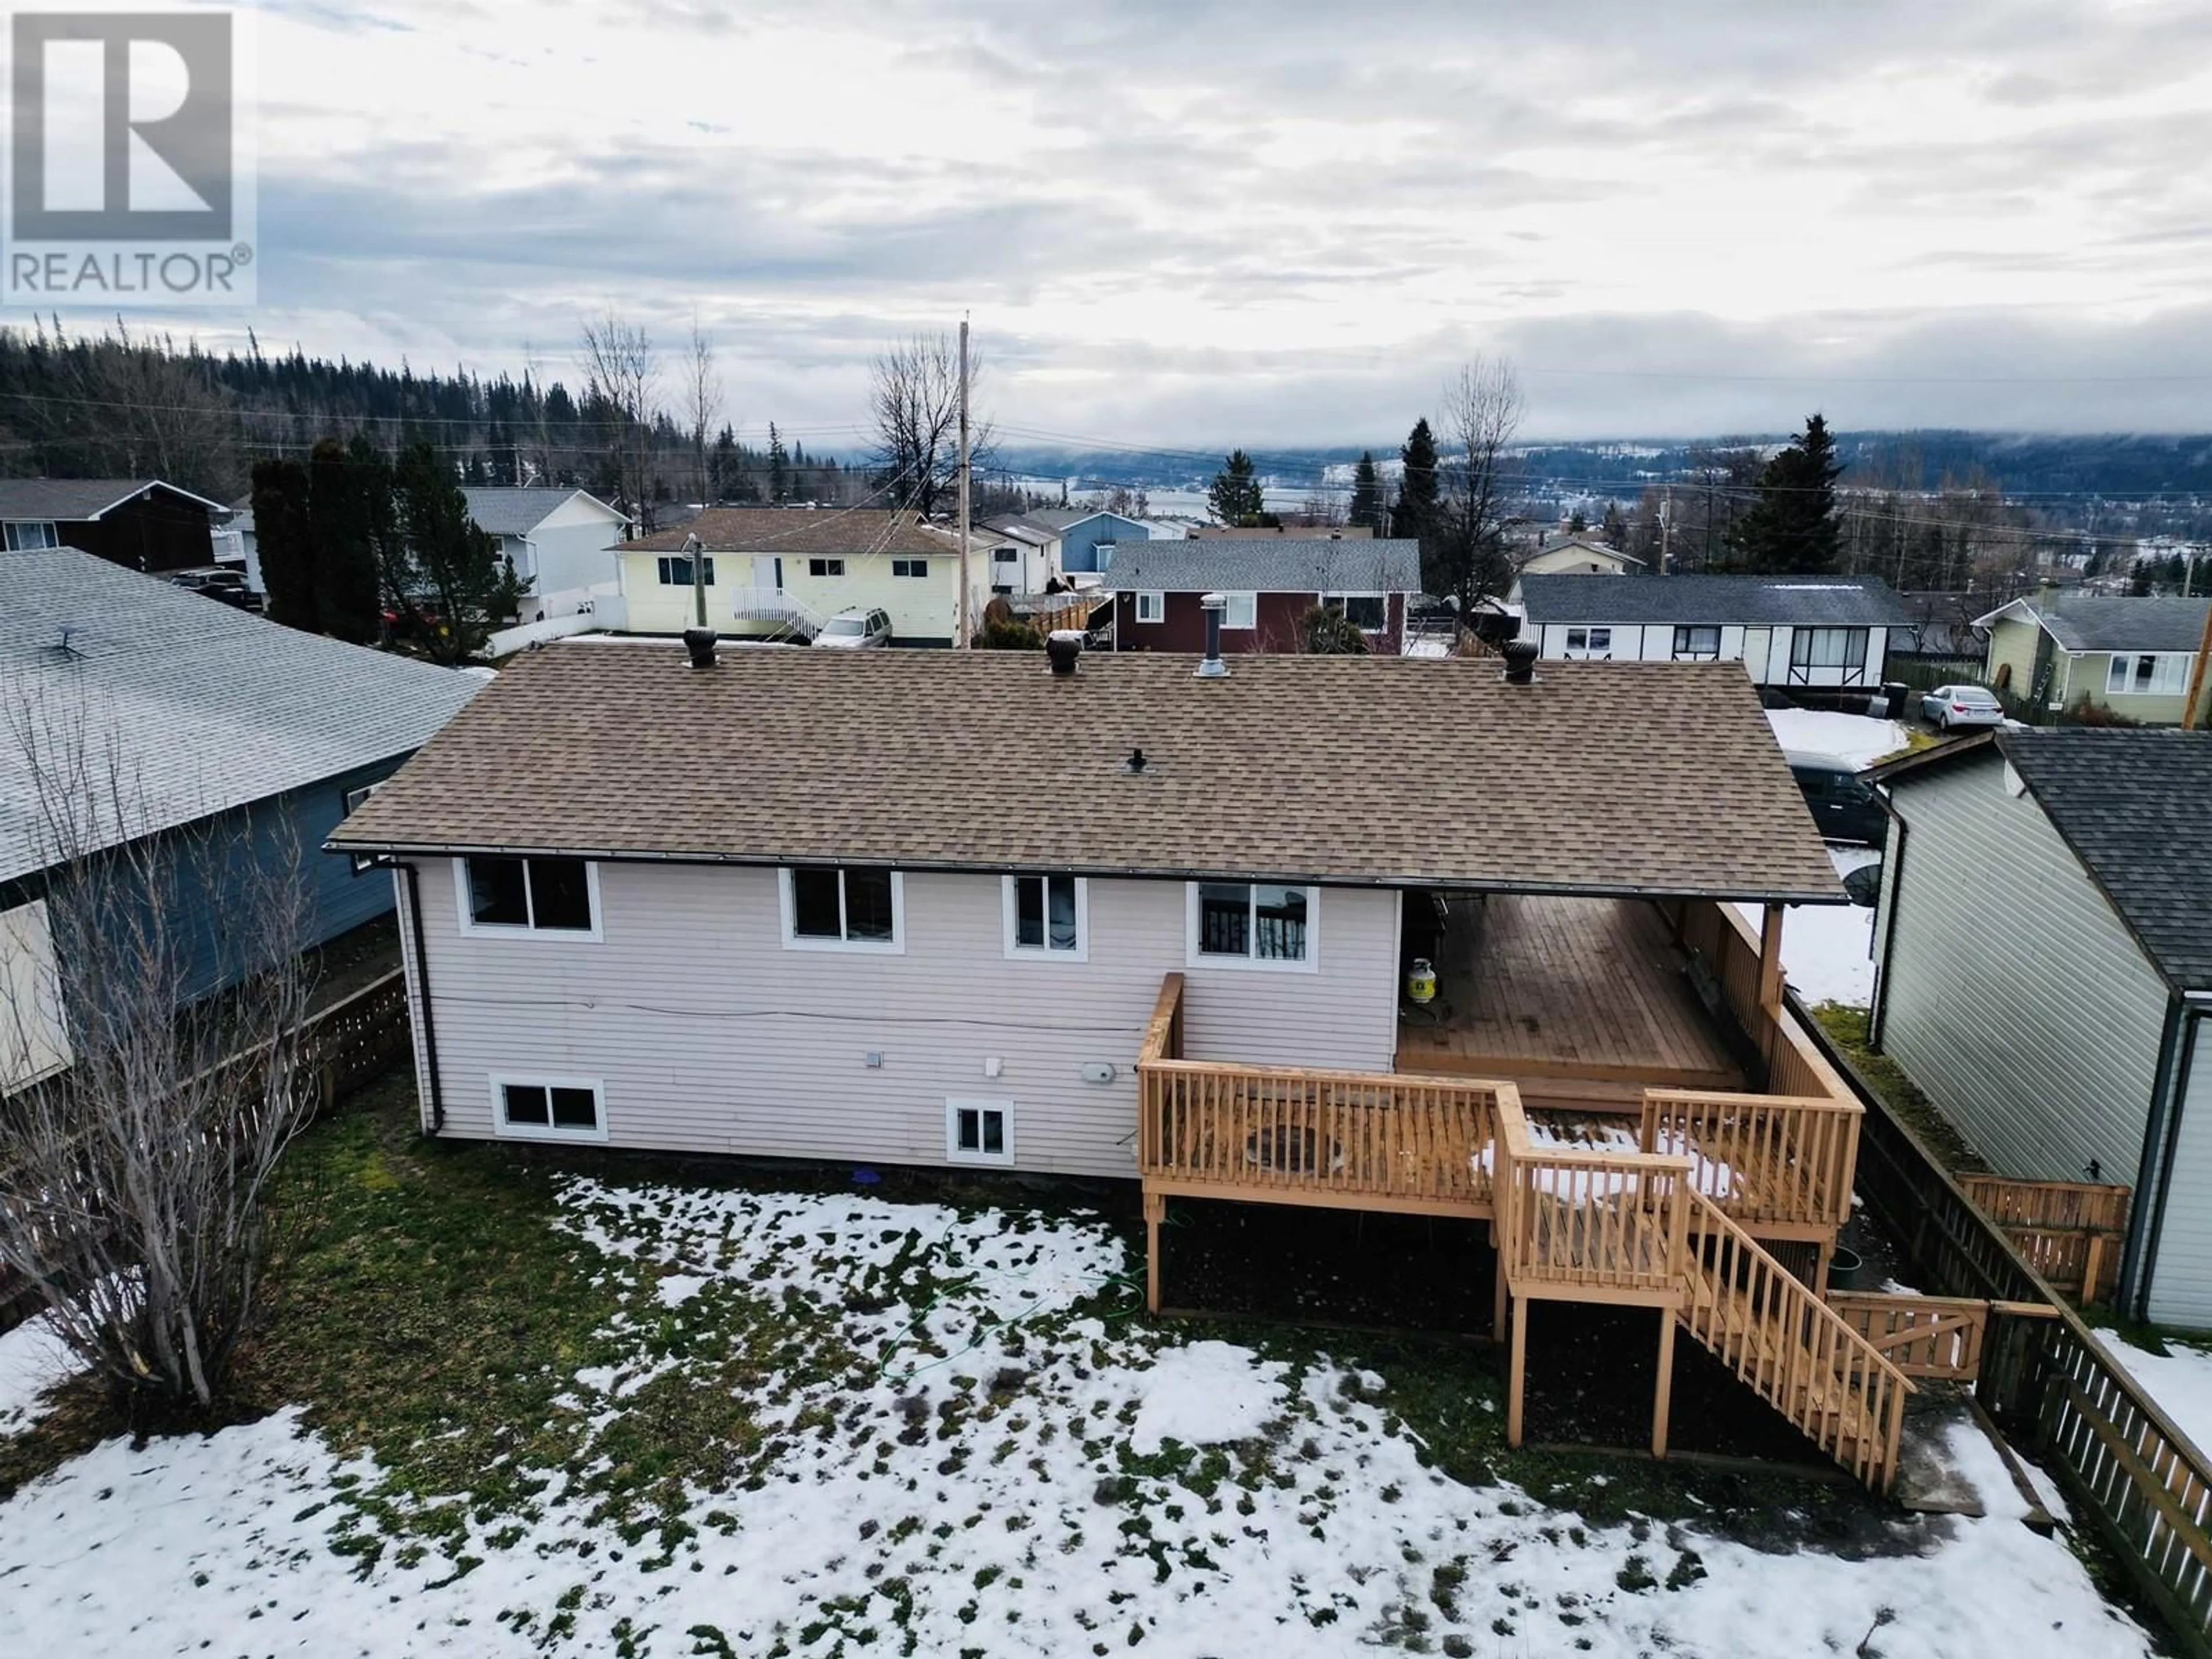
[
  {"x": 1646, "y": 1173},
  {"x": 1785, "y": 1305}
]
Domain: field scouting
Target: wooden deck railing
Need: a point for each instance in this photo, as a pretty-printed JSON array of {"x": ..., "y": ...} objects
[
  {"x": 2071, "y": 1231},
  {"x": 1372, "y": 1139},
  {"x": 1718, "y": 936},
  {"x": 1768, "y": 1160},
  {"x": 1938, "y": 1337},
  {"x": 1793, "y": 1350},
  {"x": 1612, "y": 1225}
]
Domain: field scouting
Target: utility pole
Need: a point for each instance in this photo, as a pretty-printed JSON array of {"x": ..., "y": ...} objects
[
  {"x": 1666, "y": 529},
  {"x": 2192, "y": 705},
  {"x": 694, "y": 551},
  {"x": 966, "y": 627}
]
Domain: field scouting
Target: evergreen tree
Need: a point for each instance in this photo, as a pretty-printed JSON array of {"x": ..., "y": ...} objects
[
  {"x": 1416, "y": 508},
  {"x": 1235, "y": 495},
  {"x": 1613, "y": 529},
  {"x": 456, "y": 585},
  {"x": 1366, "y": 495},
  {"x": 341, "y": 560},
  {"x": 1577, "y": 524},
  {"x": 1791, "y": 530},
  {"x": 779, "y": 466},
  {"x": 285, "y": 542}
]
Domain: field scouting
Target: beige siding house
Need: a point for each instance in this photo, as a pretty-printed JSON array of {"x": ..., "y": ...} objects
[
  {"x": 783, "y": 572},
  {"x": 2132, "y": 656},
  {"x": 2044, "y": 947},
  {"x": 1576, "y": 554}
]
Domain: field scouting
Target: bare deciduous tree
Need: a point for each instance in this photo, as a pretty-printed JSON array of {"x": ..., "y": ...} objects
[
  {"x": 1481, "y": 414},
  {"x": 133, "y": 1181},
  {"x": 623, "y": 374},
  {"x": 913, "y": 401},
  {"x": 702, "y": 405}
]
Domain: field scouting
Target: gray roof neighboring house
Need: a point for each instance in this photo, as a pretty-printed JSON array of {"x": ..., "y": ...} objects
[
  {"x": 509, "y": 511},
  {"x": 2089, "y": 621},
  {"x": 2136, "y": 807},
  {"x": 78, "y": 500},
  {"x": 1757, "y": 601},
  {"x": 1318, "y": 566},
  {"x": 199, "y": 708}
]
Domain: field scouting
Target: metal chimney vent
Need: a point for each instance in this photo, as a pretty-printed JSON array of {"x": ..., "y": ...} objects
[
  {"x": 1213, "y": 605},
  {"x": 1519, "y": 661},
  {"x": 1063, "y": 648},
  {"x": 699, "y": 642}
]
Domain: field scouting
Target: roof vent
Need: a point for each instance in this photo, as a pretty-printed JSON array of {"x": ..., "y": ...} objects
[
  {"x": 1213, "y": 605},
  {"x": 1063, "y": 647},
  {"x": 1136, "y": 764},
  {"x": 699, "y": 642},
  {"x": 1519, "y": 661}
]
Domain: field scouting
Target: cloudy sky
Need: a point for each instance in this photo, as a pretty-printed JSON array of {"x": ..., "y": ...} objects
[{"x": 1180, "y": 222}]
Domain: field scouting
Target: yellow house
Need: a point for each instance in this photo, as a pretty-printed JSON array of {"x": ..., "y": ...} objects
[
  {"x": 779, "y": 572},
  {"x": 2062, "y": 651}
]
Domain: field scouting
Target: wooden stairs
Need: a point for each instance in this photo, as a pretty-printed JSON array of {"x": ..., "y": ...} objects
[{"x": 1633, "y": 1228}]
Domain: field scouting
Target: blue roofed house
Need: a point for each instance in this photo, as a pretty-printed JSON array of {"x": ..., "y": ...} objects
[{"x": 209, "y": 718}]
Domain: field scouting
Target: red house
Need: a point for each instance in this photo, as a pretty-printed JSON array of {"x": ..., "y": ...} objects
[{"x": 1269, "y": 585}]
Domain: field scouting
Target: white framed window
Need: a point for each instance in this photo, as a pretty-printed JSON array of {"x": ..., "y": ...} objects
[
  {"x": 1048, "y": 917},
  {"x": 21, "y": 537},
  {"x": 1697, "y": 643},
  {"x": 917, "y": 567},
  {"x": 1366, "y": 611},
  {"x": 1243, "y": 610},
  {"x": 1151, "y": 607},
  {"x": 1004, "y": 555},
  {"x": 1828, "y": 648},
  {"x": 2148, "y": 673},
  {"x": 535, "y": 897},
  {"x": 548, "y": 1108},
  {"x": 825, "y": 567},
  {"x": 675, "y": 569},
  {"x": 979, "y": 1130},
  {"x": 1253, "y": 924},
  {"x": 1588, "y": 643},
  {"x": 834, "y": 907},
  {"x": 361, "y": 861}
]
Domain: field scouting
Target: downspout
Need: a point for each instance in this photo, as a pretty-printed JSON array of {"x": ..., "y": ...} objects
[
  {"x": 2155, "y": 1171},
  {"x": 1893, "y": 855},
  {"x": 422, "y": 991}
]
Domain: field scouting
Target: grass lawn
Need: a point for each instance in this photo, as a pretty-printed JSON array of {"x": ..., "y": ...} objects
[{"x": 512, "y": 1400}]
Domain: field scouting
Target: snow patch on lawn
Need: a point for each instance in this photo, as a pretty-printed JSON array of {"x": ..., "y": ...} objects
[
  {"x": 1856, "y": 740},
  {"x": 1203, "y": 1395},
  {"x": 951, "y": 1405},
  {"x": 33, "y": 1359},
  {"x": 1826, "y": 949},
  {"x": 2180, "y": 1380}
]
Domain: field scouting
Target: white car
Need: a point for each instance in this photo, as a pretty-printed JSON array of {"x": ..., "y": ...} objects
[
  {"x": 1947, "y": 705},
  {"x": 849, "y": 630}
]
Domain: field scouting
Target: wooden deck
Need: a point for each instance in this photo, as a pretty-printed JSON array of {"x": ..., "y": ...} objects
[{"x": 1585, "y": 1003}]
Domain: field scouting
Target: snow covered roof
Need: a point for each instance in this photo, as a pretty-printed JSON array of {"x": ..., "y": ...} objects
[{"x": 201, "y": 706}]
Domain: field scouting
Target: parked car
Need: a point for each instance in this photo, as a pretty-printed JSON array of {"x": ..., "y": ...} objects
[
  {"x": 1947, "y": 705},
  {"x": 227, "y": 586},
  {"x": 1841, "y": 801},
  {"x": 851, "y": 629}
]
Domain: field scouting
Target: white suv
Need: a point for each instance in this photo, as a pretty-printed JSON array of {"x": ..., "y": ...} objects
[{"x": 850, "y": 629}]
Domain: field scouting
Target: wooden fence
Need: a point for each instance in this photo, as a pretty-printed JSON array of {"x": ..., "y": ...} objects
[
  {"x": 2070, "y": 1231},
  {"x": 2125, "y": 1466}
]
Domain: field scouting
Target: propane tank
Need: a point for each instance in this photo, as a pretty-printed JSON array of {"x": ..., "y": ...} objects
[{"x": 1421, "y": 983}]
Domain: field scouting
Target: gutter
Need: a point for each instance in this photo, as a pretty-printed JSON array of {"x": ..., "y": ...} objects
[
  {"x": 398, "y": 850},
  {"x": 422, "y": 985},
  {"x": 1893, "y": 855}
]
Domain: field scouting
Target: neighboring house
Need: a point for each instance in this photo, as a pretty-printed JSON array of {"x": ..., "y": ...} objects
[
  {"x": 950, "y": 909},
  {"x": 141, "y": 523},
  {"x": 1270, "y": 584},
  {"x": 236, "y": 544},
  {"x": 207, "y": 717},
  {"x": 785, "y": 571},
  {"x": 2132, "y": 656},
  {"x": 1573, "y": 555},
  {"x": 2043, "y": 949},
  {"x": 1306, "y": 532},
  {"x": 563, "y": 543},
  {"x": 1787, "y": 631},
  {"x": 1087, "y": 540},
  {"x": 1020, "y": 554}
]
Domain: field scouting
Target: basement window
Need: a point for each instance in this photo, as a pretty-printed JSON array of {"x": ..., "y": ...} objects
[
  {"x": 1045, "y": 916},
  {"x": 549, "y": 1109},
  {"x": 833, "y": 909},
  {"x": 1253, "y": 924},
  {"x": 558, "y": 897},
  {"x": 979, "y": 1130}
]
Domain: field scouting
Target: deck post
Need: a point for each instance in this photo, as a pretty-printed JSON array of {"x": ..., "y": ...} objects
[
  {"x": 1770, "y": 979},
  {"x": 1156, "y": 1209},
  {"x": 1516, "y": 1373},
  {"x": 1500, "y": 1311},
  {"x": 1662, "y": 1397}
]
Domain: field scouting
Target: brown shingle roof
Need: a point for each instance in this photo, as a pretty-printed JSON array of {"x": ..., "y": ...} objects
[
  {"x": 1600, "y": 777},
  {"x": 852, "y": 532}
]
